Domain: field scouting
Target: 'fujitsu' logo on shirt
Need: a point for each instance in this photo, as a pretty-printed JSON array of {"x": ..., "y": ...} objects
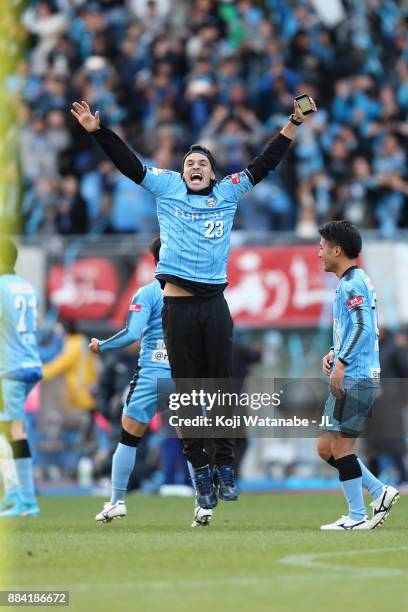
[
  {"x": 135, "y": 307},
  {"x": 193, "y": 216}
]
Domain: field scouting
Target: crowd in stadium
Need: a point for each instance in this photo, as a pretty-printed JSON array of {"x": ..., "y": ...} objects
[{"x": 165, "y": 74}]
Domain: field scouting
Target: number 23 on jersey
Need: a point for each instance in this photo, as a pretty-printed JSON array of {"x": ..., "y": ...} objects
[{"x": 214, "y": 229}]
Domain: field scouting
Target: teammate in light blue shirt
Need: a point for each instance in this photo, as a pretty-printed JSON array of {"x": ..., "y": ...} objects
[
  {"x": 144, "y": 319},
  {"x": 146, "y": 393},
  {"x": 354, "y": 370},
  {"x": 355, "y": 327},
  {"x": 20, "y": 370}
]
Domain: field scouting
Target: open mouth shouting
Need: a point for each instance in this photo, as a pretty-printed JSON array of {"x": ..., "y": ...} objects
[{"x": 196, "y": 177}]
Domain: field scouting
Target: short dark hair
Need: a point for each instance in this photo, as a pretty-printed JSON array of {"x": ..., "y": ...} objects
[
  {"x": 8, "y": 253},
  {"x": 197, "y": 148},
  {"x": 345, "y": 235},
  {"x": 154, "y": 248}
]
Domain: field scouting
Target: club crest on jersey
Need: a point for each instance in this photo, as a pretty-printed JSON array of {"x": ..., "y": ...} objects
[
  {"x": 235, "y": 178},
  {"x": 135, "y": 307},
  {"x": 211, "y": 202},
  {"x": 355, "y": 302}
]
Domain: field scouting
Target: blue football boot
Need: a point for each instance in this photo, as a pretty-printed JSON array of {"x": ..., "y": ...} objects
[
  {"x": 30, "y": 510},
  {"x": 224, "y": 481},
  {"x": 21, "y": 509},
  {"x": 9, "y": 500},
  {"x": 205, "y": 493}
]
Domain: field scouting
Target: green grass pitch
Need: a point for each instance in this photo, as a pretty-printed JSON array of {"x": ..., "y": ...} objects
[{"x": 264, "y": 552}]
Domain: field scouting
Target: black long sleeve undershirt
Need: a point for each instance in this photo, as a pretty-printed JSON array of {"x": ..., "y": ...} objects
[
  {"x": 261, "y": 165},
  {"x": 120, "y": 154},
  {"x": 131, "y": 166}
]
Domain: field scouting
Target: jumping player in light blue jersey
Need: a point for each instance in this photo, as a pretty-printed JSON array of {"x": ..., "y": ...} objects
[
  {"x": 196, "y": 213},
  {"x": 354, "y": 369},
  {"x": 20, "y": 370}
]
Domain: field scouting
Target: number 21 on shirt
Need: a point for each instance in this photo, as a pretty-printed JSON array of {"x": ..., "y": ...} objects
[{"x": 22, "y": 304}]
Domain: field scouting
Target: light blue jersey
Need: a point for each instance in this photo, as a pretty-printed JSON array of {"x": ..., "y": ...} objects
[
  {"x": 355, "y": 327},
  {"x": 144, "y": 321},
  {"x": 195, "y": 230},
  {"x": 19, "y": 355}
]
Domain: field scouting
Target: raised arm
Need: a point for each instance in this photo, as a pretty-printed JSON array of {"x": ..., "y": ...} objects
[
  {"x": 117, "y": 151},
  {"x": 268, "y": 160}
]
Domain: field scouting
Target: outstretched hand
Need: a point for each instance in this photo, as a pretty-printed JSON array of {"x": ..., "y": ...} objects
[
  {"x": 94, "y": 345},
  {"x": 82, "y": 113}
]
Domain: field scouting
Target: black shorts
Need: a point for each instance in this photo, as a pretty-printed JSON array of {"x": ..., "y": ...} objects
[{"x": 198, "y": 336}]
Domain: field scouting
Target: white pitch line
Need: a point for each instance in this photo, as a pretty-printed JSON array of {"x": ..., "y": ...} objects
[{"x": 313, "y": 561}]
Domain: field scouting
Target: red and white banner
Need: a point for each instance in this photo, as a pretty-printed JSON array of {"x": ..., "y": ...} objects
[
  {"x": 282, "y": 286},
  {"x": 86, "y": 289},
  {"x": 278, "y": 286}
]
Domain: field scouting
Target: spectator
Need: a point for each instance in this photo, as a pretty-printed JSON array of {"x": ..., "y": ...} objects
[
  {"x": 78, "y": 366},
  {"x": 39, "y": 207},
  {"x": 72, "y": 217},
  {"x": 70, "y": 373},
  {"x": 42, "y": 20},
  {"x": 389, "y": 167},
  {"x": 37, "y": 156}
]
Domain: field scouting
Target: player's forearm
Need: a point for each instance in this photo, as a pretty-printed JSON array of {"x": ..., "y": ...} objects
[
  {"x": 290, "y": 130},
  {"x": 120, "y": 154},
  {"x": 269, "y": 159},
  {"x": 354, "y": 343},
  {"x": 123, "y": 338}
]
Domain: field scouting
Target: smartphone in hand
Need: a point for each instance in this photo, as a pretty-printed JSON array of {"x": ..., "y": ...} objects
[{"x": 305, "y": 104}]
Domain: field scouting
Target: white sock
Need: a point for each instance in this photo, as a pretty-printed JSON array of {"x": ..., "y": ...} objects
[{"x": 7, "y": 466}]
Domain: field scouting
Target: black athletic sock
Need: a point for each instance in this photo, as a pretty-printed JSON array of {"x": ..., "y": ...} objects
[
  {"x": 331, "y": 461},
  {"x": 129, "y": 439},
  {"x": 349, "y": 468},
  {"x": 21, "y": 449}
]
